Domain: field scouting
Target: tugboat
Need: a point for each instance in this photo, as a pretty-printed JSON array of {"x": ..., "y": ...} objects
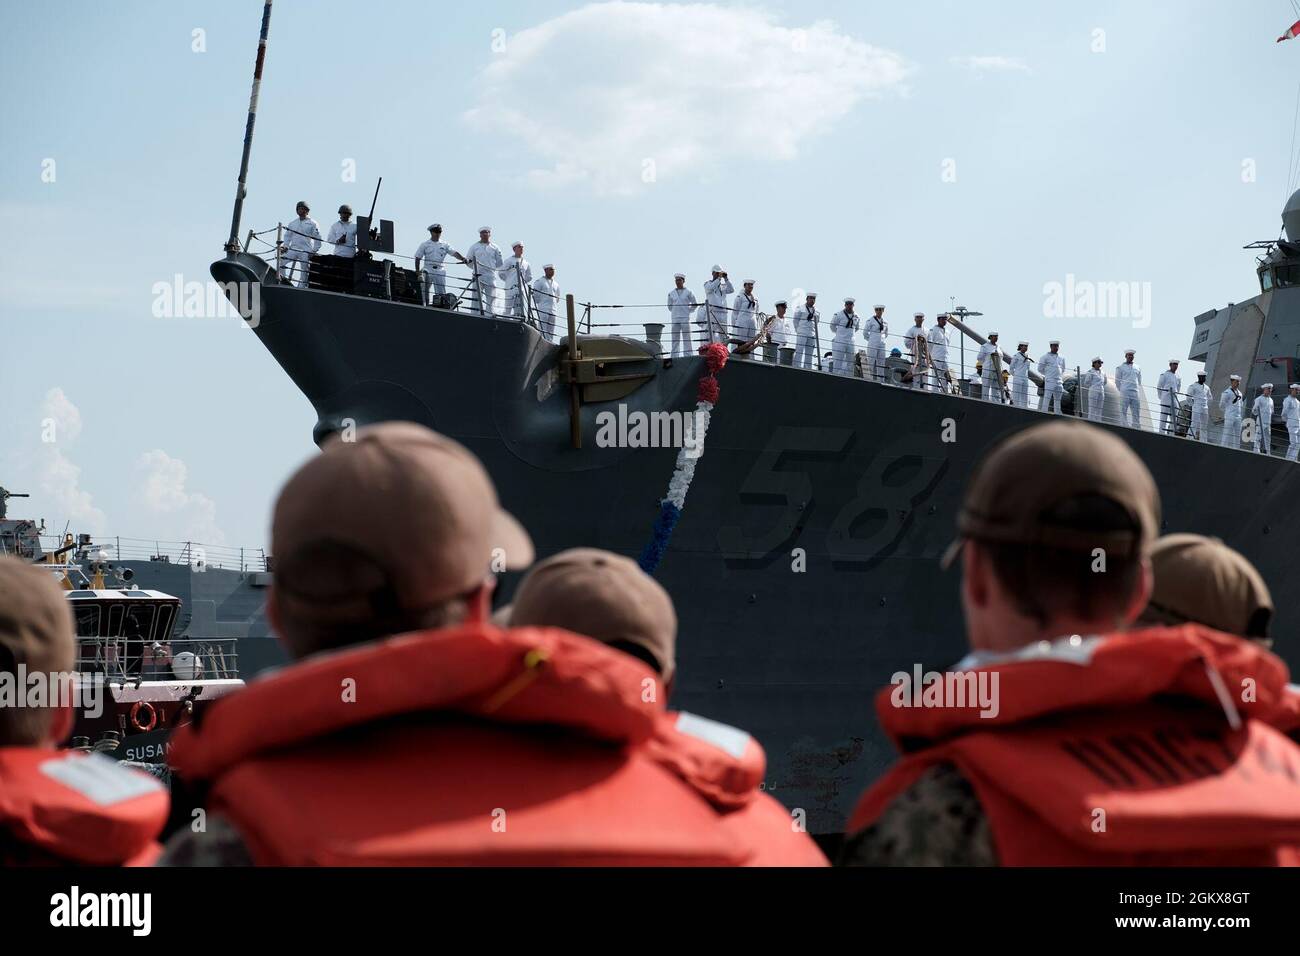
[
  {"x": 134, "y": 681},
  {"x": 222, "y": 590}
]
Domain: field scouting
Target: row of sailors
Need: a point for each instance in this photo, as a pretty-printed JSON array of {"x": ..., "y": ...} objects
[
  {"x": 489, "y": 264},
  {"x": 303, "y": 239},
  {"x": 739, "y": 323}
]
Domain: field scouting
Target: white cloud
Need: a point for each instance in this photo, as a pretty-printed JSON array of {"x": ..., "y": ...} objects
[
  {"x": 991, "y": 64},
  {"x": 601, "y": 92},
  {"x": 58, "y": 478},
  {"x": 183, "y": 515}
]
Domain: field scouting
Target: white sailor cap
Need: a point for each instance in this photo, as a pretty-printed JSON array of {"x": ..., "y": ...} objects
[
  {"x": 877, "y": 306},
  {"x": 679, "y": 275},
  {"x": 1096, "y": 359},
  {"x": 1054, "y": 342},
  {"x": 436, "y": 225},
  {"x": 484, "y": 228},
  {"x": 1234, "y": 378},
  {"x": 549, "y": 265},
  {"x": 1268, "y": 385},
  {"x": 1173, "y": 361},
  {"x": 811, "y": 295},
  {"x": 717, "y": 268},
  {"x": 780, "y": 302},
  {"x": 748, "y": 282},
  {"x": 850, "y": 301},
  {"x": 516, "y": 244},
  {"x": 1130, "y": 352},
  {"x": 993, "y": 335},
  {"x": 918, "y": 315},
  {"x": 1022, "y": 342},
  {"x": 1293, "y": 384}
]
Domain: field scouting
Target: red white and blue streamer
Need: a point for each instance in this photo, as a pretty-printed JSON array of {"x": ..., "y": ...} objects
[{"x": 670, "y": 507}]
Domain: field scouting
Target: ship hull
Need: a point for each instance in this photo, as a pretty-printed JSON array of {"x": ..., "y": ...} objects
[{"x": 805, "y": 568}]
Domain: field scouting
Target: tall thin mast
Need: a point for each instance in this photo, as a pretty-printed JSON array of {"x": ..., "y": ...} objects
[{"x": 232, "y": 244}]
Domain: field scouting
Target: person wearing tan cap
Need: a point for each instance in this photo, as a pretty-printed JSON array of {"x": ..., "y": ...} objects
[
  {"x": 609, "y": 598},
  {"x": 1036, "y": 748},
  {"x": 410, "y": 730},
  {"x": 1203, "y": 581},
  {"x": 59, "y": 807}
]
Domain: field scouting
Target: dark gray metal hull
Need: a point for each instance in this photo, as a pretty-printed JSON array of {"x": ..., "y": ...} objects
[{"x": 851, "y": 478}]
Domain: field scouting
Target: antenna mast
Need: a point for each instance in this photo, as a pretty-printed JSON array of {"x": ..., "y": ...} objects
[{"x": 232, "y": 244}]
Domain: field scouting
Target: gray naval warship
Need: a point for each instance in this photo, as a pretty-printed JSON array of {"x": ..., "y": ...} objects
[
  {"x": 805, "y": 566},
  {"x": 848, "y": 478}
]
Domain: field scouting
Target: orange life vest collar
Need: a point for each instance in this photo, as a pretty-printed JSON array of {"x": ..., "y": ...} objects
[
  {"x": 83, "y": 808},
  {"x": 517, "y": 676},
  {"x": 1142, "y": 747},
  {"x": 1114, "y": 670}
]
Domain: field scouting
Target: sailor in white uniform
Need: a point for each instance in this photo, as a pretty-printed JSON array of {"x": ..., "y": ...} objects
[
  {"x": 343, "y": 234},
  {"x": 1052, "y": 367},
  {"x": 1199, "y": 393},
  {"x": 806, "y": 318},
  {"x": 1094, "y": 390},
  {"x": 779, "y": 332},
  {"x": 1128, "y": 379},
  {"x": 716, "y": 291},
  {"x": 681, "y": 303},
  {"x": 1262, "y": 409},
  {"x": 1168, "y": 385},
  {"x": 844, "y": 324},
  {"x": 938, "y": 339},
  {"x": 485, "y": 257},
  {"x": 1019, "y": 369},
  {"x": 546, "y": 300},
  {"x": 1231, "y": 402},
  {"x": 920, "y": 368},
  {"x": 744, "y": 313},
  {"x": 1291, "y": 416},
  {"x": 301, "y": 240},
  {"x": 990, "y": 380},
  {"x": 517, "y": 273},
  {"x": 429, "y": 256},
  {"x": 874, "y": 331}
]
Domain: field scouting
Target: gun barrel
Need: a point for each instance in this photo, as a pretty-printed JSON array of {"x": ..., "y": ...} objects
[{"x": 970, "y": 333}]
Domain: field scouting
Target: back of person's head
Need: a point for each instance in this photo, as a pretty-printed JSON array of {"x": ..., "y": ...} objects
[
  {"x": 36, "y": 633},
  {"x": 1055, "y": 525},
  {"x": 397, "y": 530},
  {"x": 604, "y": 596},
  {"x": 1202, "y": 580}
]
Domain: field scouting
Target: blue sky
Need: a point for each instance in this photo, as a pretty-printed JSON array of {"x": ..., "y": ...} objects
[{"x": 824, "y": 170}]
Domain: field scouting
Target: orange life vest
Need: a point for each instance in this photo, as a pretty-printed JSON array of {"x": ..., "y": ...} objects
[
  {"x": 467, "y": 746},
  {"x": 69, "y": 807},
  {"x": 1287, "y": 716},
  {"x": 1116, "y": 751}
]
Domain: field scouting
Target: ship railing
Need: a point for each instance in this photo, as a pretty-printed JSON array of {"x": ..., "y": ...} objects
[
  {"x": 471, "y": 286},
  {"x": 179, "y": 659},
  {"x": 192, "y": 553}
]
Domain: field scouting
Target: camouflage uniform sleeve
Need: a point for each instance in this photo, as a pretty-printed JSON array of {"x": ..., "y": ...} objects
[
  {"x": 219, "y": 845},
  {"x": 937, "y": 821}
]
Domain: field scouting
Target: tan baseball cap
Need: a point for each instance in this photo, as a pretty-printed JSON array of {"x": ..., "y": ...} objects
[
  {"x": 604, "y": 596},
  {"x": 418, "y": 504},
  {"x": 35, "y": 621},
  {"x": 1203, "y": 580},
  {"x": 1028, "y": 473}
]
